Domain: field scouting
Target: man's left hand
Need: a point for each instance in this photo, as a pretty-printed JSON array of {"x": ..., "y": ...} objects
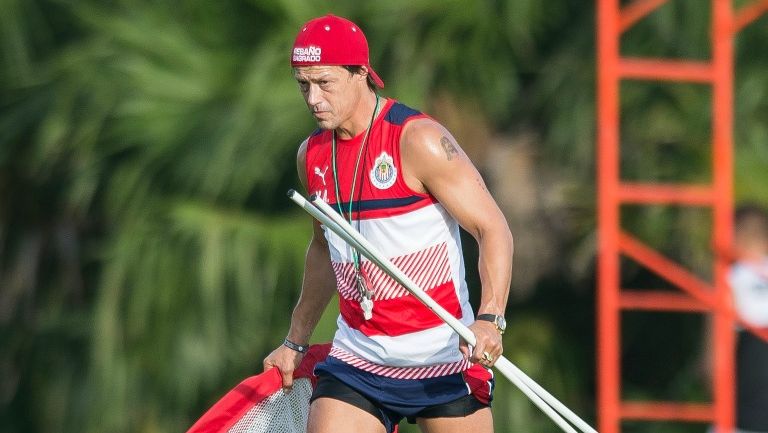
[{"x": 488, "y": 347}]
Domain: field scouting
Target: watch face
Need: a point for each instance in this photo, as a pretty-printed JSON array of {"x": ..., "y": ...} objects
[{"x": 501, "y": 323}]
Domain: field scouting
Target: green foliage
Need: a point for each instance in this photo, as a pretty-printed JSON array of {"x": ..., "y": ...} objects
[{"x": 149, "y": 158}]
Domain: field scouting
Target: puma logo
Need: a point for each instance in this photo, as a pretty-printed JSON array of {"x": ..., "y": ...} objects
[{"x": 321, "y": 173}]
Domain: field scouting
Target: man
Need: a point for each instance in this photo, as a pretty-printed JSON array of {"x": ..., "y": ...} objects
[
  {"x": 406, "y": 185},
  {"x": 749, "y": 282}
]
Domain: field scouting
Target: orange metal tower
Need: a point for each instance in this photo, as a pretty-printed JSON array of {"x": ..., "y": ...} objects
[{"x": 713, "y": 298}]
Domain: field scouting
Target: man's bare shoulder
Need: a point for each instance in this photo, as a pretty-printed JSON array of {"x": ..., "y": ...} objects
[
  {"x": 301, "y": 160},
  {"x": 302, "y": 152},
  {"x": 426, "y": 139},
  {"x": 418, "y": 130}
]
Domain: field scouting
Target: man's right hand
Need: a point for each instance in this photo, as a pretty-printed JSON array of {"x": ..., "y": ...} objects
[{"x": 286, "y": 360}]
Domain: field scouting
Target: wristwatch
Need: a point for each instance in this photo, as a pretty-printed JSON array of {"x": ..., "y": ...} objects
[{"x": 499, "y": 321}]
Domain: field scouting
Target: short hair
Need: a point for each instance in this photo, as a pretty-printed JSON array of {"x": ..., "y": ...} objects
[
  {"x": 358, "y": 69},
  {"x": 751, "y": 220}
]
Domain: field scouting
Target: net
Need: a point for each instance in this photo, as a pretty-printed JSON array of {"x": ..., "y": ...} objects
[
  {"x": 259, "y": 405},
  {"x": 280, "y": 412}
]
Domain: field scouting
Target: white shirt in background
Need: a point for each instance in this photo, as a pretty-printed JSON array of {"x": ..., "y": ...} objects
[{"x": 749, "y": 283}]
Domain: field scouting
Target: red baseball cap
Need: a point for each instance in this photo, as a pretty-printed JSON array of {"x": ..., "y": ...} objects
[{"x": 334, "y": 41}]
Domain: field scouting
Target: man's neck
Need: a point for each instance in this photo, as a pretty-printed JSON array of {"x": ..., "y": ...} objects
[{"x": 361, "y": 117}]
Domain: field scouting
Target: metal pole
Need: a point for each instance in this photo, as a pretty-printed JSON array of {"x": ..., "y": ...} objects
[
  {"x": 608, "y": 322},
  {"x": 722, "y": 172},
  {"x": 333, "y": 221}
]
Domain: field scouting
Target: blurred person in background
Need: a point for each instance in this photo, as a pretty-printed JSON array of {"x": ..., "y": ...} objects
[
  {"x": 401, "y": 179},
  {"x": 749, "y": 282}
]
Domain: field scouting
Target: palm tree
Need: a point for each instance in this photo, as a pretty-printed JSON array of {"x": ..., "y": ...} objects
[{"x": 140, "y": 195}]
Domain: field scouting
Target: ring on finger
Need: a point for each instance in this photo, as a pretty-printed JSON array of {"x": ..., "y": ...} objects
[{"x": 487, "y": 356}]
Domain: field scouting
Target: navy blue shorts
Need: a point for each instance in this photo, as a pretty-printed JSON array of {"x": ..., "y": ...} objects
[{"x": 391, "y": 400}]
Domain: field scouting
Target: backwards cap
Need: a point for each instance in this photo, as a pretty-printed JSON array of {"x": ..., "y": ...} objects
[{"x": 332, "y": 41}]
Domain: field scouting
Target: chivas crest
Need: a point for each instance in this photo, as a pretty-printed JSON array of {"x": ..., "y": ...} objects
[{"x": 384, "y": 172}]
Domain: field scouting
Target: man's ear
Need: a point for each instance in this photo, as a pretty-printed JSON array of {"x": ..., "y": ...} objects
[{"x": 364, "y": 73}]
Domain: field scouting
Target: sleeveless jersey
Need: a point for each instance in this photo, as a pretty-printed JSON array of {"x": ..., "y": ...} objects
[{"x": 403, "y": 338}]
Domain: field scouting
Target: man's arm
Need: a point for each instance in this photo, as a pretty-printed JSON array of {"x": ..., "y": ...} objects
[
  {"x": 433, "y": 162},
  {"x": 316, "y": 291}
]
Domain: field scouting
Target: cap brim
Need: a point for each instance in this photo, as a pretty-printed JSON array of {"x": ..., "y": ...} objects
[{"x": 375, "y": 77}]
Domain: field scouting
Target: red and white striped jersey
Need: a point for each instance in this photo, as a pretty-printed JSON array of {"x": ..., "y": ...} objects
[{"x": 403, "y": 338}]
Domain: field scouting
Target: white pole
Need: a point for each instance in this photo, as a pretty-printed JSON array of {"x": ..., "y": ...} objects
[
  {"x": 333, "y": 221},
  {"x": 502, "y": 364}
]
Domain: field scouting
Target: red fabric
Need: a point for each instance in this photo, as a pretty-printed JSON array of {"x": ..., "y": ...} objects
[
  {"x": 332, "y": 40},
  {"x": 384, "y": 137},
  {"x": 401, "y": 315},
  {"x": 478, "y": 379},
  {"x": 234, "y": 404}
]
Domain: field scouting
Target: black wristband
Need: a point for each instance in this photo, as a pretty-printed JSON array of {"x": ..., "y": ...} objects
[
  {"x": 297, "y": 347},
  {"x": 499, "y": 321}
]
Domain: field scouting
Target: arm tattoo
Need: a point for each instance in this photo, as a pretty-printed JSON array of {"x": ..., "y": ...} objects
[{"x": 449, "y": 148}]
